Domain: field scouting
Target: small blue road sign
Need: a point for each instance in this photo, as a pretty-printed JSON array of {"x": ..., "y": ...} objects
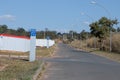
[
  {"x": 47, "y": 37},
  {"x": 33, "y": 32}
]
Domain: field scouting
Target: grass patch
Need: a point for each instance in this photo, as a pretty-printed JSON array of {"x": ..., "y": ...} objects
[
  {"x": 14, "y": 53},
  {"x": 18, "y": 69},
  {"x": 45, "y": 52}
]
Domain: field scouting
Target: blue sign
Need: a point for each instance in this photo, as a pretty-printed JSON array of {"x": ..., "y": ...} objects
[
  {"x": 33, "y": 32},
  {"x": 48, "y": 38}
]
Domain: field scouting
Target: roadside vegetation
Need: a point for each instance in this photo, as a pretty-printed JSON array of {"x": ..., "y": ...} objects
[
  {"x": 14, "y": 66},
  {"x": 90, "y": 46},
  {"x": 16, "y": 69},
  {"x": 98, "y": 39},
  {"x": 45, "y": 52}
]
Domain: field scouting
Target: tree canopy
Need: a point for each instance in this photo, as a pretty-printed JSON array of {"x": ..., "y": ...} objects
[
  {"x": 102, "y": 27},
  {"x": 22, "y": 32},
  {"x": 3, "y": 28}
]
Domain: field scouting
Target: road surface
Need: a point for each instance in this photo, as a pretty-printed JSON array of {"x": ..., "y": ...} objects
[{"x": 71, "y": 64}]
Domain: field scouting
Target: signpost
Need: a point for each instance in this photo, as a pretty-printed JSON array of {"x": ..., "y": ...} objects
[
  {"x": 48, "y": 41},
  {"x": 32, "y": 45}
]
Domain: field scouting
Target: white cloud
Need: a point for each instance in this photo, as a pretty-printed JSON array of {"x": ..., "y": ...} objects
[{"x": 7, "y": 17}]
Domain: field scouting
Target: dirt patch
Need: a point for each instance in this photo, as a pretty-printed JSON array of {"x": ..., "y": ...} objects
[{"x": 3, "y": 66}]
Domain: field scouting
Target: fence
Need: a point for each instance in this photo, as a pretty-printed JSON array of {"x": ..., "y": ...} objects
[
  {"x": 20, "y": 43},
  {"x": 43, "y": 42}
]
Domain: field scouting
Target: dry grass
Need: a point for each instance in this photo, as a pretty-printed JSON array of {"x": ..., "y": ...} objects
[
  {"x": 116, "y": 43},
  {"x": 20, "y": 68},
  {"x": 5, "y": 52},
  {"x": 88, "y": 45},
  {"x": 78, "y": 44},
  {"x": 45, "y": 52},
  {"x": 2, "y": 66},
  {"x": 17, "y": 69},
  {"x": 92, "y": 42}
]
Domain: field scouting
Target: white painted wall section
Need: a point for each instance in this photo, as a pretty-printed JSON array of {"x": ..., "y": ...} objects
[
  {"x": 43, "y": 42},
  {"x": 14, "y": 43},
  {"x": 19, "y": 43}
]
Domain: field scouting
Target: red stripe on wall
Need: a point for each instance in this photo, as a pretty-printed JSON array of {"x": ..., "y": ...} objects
[{"x": 14, "y": 36}]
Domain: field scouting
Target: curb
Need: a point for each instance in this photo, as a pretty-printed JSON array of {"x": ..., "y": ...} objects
[{"x": 38, "y": 71}]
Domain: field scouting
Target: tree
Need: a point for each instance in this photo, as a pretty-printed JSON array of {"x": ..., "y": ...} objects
[
  {"x": 102, "y": 28},
  {"x": 11, "y": 31},
  {"x": 3, "y": 29},
  {"x": 40, "y": 34},
  {"x": 52, "y": 34},
  {"x": 60, "y": 35},
  {"x": 83, "y": 35},
  {"x": 21, "y": 32}
]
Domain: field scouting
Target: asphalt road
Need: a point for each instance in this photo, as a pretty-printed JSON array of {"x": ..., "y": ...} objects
[{"x": 71, "y": 64}]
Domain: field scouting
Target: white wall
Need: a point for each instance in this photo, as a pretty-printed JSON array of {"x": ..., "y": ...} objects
[
  {"x": 43, "y": 42},
  {"x": 14, "y": 44},
  {"x": 21, "y": 44}
]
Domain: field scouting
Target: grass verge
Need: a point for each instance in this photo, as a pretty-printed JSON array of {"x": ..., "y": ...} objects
[
  {"x": 15, "y": 68},
  {"x": 45, "y": 52},
  {"x": 18, "y": 69}
]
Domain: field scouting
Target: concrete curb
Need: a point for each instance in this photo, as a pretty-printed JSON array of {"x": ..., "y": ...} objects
[
  {"x": 44, "y": 64},
  {"x": 38, "y": 71}
]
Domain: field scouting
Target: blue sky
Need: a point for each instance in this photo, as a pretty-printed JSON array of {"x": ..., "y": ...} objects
[{"x": 60, "y": 15}]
